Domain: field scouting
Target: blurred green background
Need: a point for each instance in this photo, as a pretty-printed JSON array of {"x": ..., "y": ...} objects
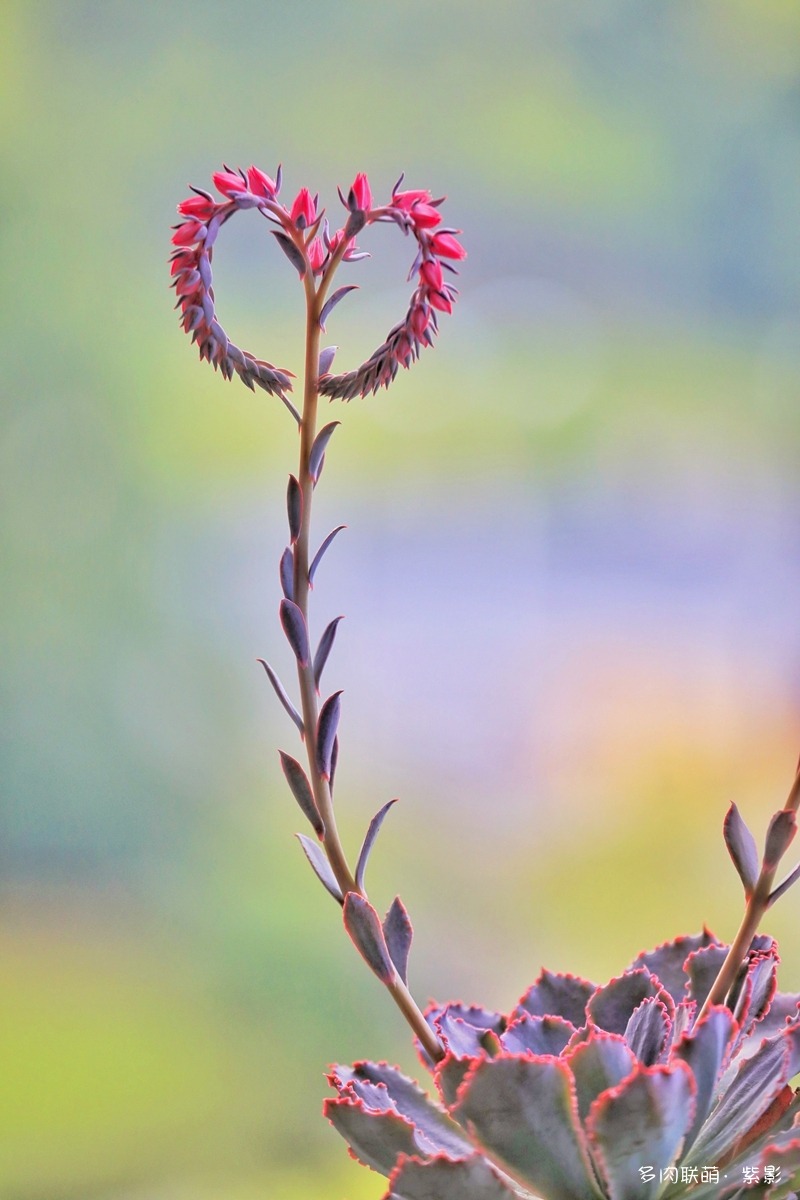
[{"x": 570, "y": 576}]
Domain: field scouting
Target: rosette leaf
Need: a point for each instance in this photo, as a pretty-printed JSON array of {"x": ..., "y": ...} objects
[{"x": 617, "y": 1092}]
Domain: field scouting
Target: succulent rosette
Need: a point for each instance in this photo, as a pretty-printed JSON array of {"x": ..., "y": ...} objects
[{"x": 629, "y": 1091}]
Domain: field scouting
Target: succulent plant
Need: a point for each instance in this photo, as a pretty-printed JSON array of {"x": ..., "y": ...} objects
[
  {"x": 596, "y": 1093},
  {"x": 673, "y": 1079}
]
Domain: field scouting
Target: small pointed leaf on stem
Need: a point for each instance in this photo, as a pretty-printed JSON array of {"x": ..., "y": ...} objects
[
  {"x": 321, "y": 866},
  {"x": 287, "y": 573},
  {"x": 364, "y": 927},
  {"x": 280, "y": 692},
  {"x": 294, "y": 626},
  {"x": 742, "y": 848},
  {"x": 317, "y": 559},
  {"x": 332, "y": 301},
  {"x": 784, "y": 886},
  {"x": 780, "y": 833},
  {"x": 334, "y": 761},
  {"x": 327, "y": 727},
  {"x": 292, "y": 409},
  {"x": 398, "y": 932},
  {"x": 291, "y": 251},
  {"x": 369, "y": 841},
  {"x": 324, "y": 649},
  {"x": 326, "y": 359},
  {"x": 301, "y": 790},
  {"x": 294, "y": 508},
  {"x": 318, "y": 449}
]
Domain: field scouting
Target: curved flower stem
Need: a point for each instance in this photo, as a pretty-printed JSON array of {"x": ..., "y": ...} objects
[
  {"x": 756, "y": 907},
  {"x": 308, "y": 691}
]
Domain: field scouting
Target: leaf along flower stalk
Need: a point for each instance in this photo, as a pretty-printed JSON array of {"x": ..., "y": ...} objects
[{"x": 665, "y": 1082}]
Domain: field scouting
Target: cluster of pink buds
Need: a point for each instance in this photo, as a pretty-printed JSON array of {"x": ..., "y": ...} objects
[
  {"x": 305, "y": 238},
  {"x": 194, "y": 239},
  {"x": 418, "y": 214}
]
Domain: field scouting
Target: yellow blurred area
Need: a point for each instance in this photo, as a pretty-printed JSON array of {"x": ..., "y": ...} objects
[{"x": 570, "y": 570}]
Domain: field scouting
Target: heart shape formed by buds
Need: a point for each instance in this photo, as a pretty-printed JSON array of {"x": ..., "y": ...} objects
[{"x": 304, "y": 236}]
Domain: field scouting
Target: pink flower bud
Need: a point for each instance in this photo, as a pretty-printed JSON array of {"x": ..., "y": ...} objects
[
  {"x": 431, "y": 275},
  {"x": 228, "y": 183},
  {"x": 361, "y": 193},
  {"x": 303, "y": 212},
  {"x": 182, "y": 260},
  {"x": 424, "y": 216},
  {"x": 316, "y": 254},
  {"x": 260, "y": 184},
  {"x": 405, "y": 200},
  {"x": 441, "y": 301},
  {"x": 446, "y": 246},
  {"x": 197, "y": 206},
  {"x": 419, "y": 321},
  {"x": 188, "y": 233}
]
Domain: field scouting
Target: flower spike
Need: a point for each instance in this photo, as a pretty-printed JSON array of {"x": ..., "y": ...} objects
[{"x": 413, "y": 211}]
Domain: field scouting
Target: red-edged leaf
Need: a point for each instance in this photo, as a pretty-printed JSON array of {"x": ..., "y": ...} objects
[
  {"x": 784, "y": 885},
  {"x": 383, "y": 1088},
  {"x": 742, "y": 849},
  {"x": 537, "y": 1035},
  {"x": 287, "y": 574},
  {"x": 301, "y": 790},
  {"x": 318, "y": 449},
  {"x": 376, "y": 1139},
  {"x": 780, "y": 835},
  {"x": 364, "y": 927},
  {"x": 702, "y": 967},
  {"x": 600, "y": 1062},
  {"x": 783, "y": 1153},
  {"x": 291, "y": 251},
  {"x": 759, "y": 982},
  {"x": 757, "y": 1083},
  {"x": 612, "y": 1006},
  {"x": 647, "y": 1114},
  {"x": 280, "y": 692},
  {"x": 706, "y": 1049},
  {"x": 523, "y": 1112},
  {"x": 443, "y": 1179},
  {"x": 334, "y": 761},
  {"x": 294, "y": 508},
  {"x": 331, "y": 303},
  {"x": 296, "y": 630},
  {"x": 558, "y": 995},
  {"x": 327, "y": 726},
  {"x": 317, "y": 559},
  {"x": 767, "y": 1121},
  {"x": 667, "y": 961},
  {"x": 461, "y": 1027},
  {"x": 398, "y": 932},
  {"x": 648, "y": 1031},
  {"x": 369, "y": 841},
  {"x": 324, "y": 648},
  {"x": 321, "y": 866},
  {"x": 326, "y": 358}
]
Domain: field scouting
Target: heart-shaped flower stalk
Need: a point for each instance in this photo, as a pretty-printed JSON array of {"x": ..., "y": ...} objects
[{"x": 304, "y": 236}]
